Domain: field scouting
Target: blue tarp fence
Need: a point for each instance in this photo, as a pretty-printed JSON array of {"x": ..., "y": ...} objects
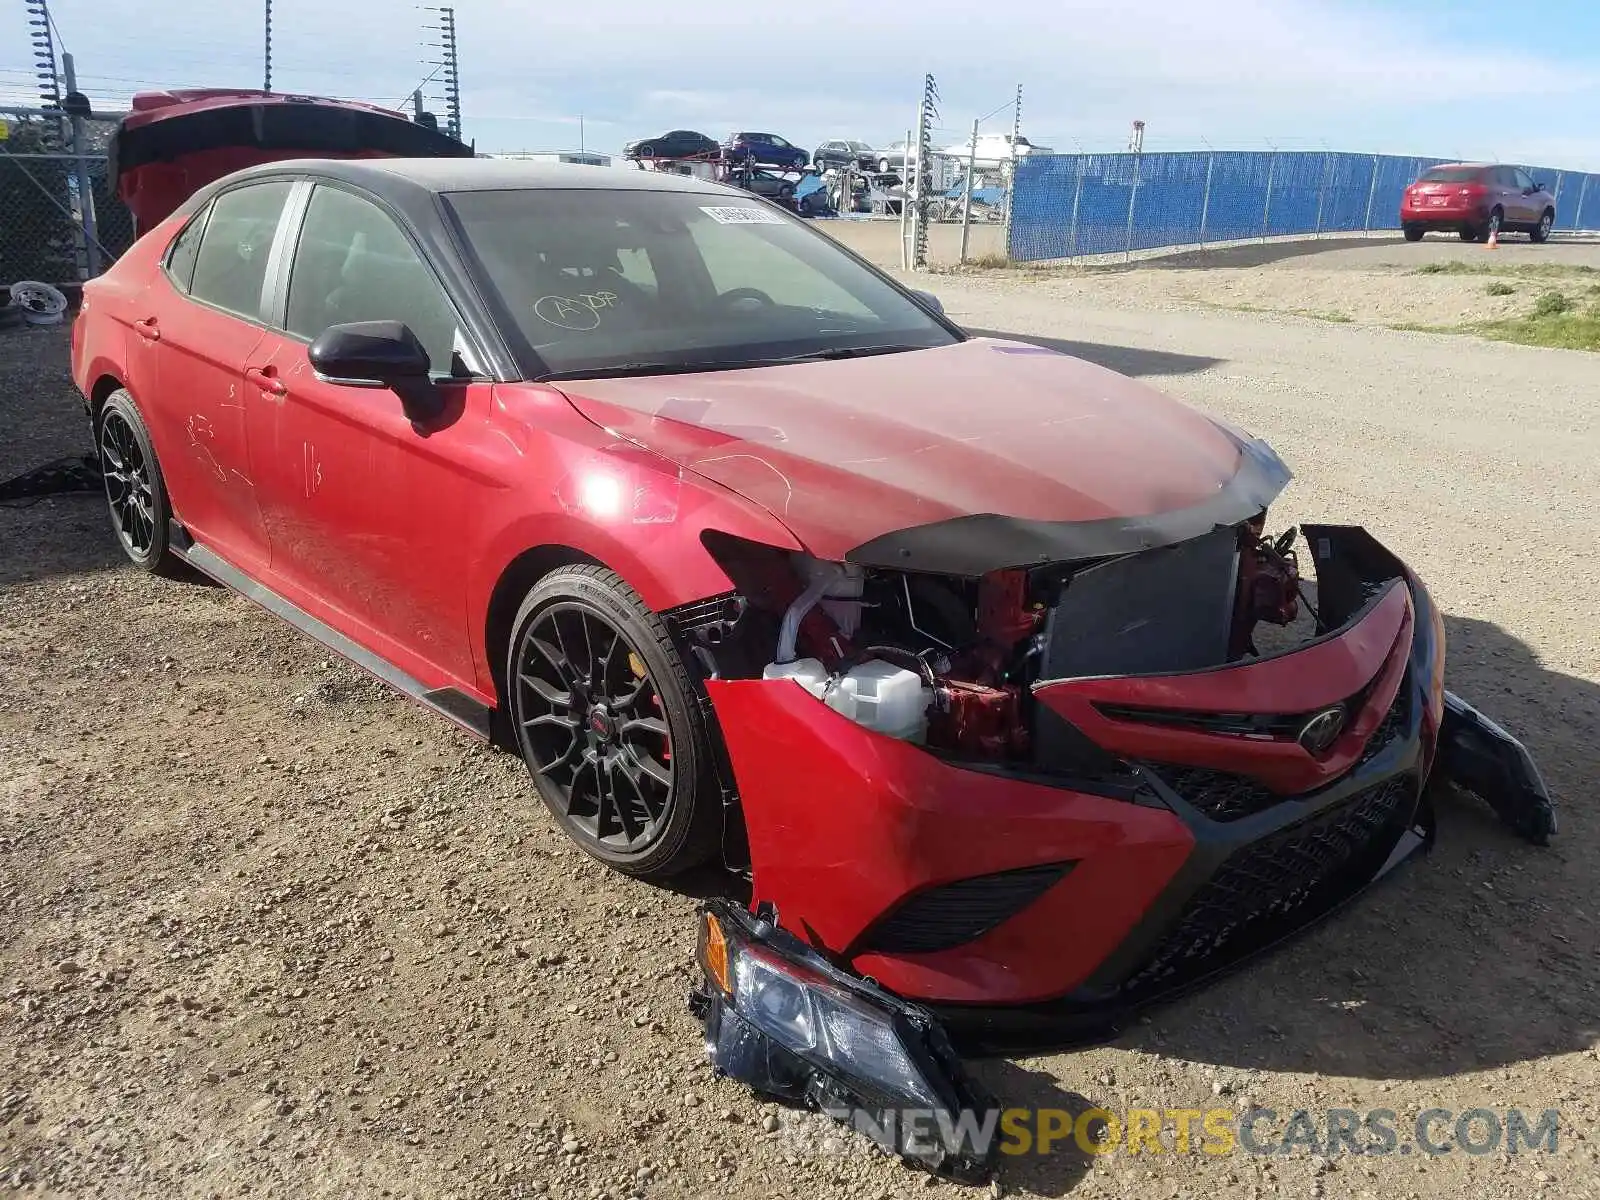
[{"x": 1068, "y": 205}]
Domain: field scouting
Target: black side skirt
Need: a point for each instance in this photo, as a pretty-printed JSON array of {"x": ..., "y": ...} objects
[{"x": 452, "y": 703}]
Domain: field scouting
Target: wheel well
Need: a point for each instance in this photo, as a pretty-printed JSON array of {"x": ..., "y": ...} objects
[
  {"x": 100, "y": 393},
  {"x": 520, "y": 575}
]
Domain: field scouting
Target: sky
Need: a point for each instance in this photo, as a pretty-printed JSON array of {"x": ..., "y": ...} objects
[{"x": 1446, "y": 78}]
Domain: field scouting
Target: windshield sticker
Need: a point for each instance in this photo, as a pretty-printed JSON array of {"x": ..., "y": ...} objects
[
  {"x": 741, "y": 216},
  {"x": 580, "y": 315}
]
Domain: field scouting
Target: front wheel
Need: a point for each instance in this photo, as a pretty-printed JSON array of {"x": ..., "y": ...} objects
[
  {"x": 609, "y": 723},
  {"x": 1541, "y": 231}
]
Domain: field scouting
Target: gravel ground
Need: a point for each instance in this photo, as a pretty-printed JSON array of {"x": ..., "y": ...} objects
[{"x": 270, "y": 930}]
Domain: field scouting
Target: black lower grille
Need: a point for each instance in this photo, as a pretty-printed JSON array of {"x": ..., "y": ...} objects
[
  {"x": 956, "y": 913},
  {"x": 1220, "y": 795},
  {"x": 1269, "y": 887}
]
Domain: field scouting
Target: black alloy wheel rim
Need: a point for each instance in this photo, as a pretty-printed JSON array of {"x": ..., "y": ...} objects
[
  {"x": 128, "y": 490},
  {"x": 592, "y": 725}
]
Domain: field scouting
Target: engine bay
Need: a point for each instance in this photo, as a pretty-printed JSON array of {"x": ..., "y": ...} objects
[{"x": 950, "y": 661}]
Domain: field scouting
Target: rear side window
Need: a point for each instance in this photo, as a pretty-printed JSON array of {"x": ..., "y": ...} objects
[
  {"x": 185, "y": 249},
  {"x": 354, "y": 264},
  {"x": 232, "y": 261}
]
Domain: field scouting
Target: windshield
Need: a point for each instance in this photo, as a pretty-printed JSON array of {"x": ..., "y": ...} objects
[
  {"x": 1452, "y": 175},
  {"x": 603, "y": 280}
]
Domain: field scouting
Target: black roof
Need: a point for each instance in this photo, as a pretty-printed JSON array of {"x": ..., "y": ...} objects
[{"x": 405, "y": 182}]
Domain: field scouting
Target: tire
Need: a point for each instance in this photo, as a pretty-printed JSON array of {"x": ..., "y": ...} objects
[
  {"x": 1471, "y": 234},
  {"x": 136, "y": 492},
  {"x": 786, "y": 192},
  {"x": 662, "y": 814},
  {"x": 1413, "y": 232},
  {"x": 1540, "y": 233},
  {"x": 883, "y": 166},
  {"x": 1492, "y": 227}
]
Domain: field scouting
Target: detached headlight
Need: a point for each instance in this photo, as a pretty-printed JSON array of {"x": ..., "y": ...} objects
[{"x": 781, "y": 1018}]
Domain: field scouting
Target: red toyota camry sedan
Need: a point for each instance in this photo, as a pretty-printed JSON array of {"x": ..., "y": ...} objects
[{"x": 949, "y": 644}]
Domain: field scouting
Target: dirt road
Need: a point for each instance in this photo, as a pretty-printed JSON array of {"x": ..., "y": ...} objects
[{"x": 266, "y": 929}]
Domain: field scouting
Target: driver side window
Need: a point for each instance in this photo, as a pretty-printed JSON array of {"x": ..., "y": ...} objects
[{"x": 354, "y": 264}]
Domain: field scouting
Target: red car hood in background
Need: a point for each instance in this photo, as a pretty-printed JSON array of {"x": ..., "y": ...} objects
[{"x": 844, "y": 451}]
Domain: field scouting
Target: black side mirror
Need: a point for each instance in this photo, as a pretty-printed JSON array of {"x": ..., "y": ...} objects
[
  {"x": 378, "y": 354},
  {"x": 929, "y": 300}
]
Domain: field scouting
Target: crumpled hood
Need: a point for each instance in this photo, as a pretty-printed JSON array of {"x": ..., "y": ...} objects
[{"x": 845, "y": 452}]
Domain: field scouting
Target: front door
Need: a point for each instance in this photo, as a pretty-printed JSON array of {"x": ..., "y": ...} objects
[
  {"x": 203, "y": 323},
  {"x": 366, "y": 513}
]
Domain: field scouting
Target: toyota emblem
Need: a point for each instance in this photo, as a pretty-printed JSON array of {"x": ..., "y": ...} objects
[{"x": 1322, "y": 730}]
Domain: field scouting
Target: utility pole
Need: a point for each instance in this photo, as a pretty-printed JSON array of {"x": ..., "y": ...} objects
[
  {"x": 86, "y": 222},
  {"x": 266, "y": 48},
  {"x": 966, "y": 200}
]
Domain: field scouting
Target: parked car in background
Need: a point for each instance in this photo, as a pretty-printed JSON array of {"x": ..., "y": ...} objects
[
  {"x": 832, "y": 156},
  {"x": 994, "y": 149},
  {"x": 766, "y": 150},
  {"x": 675, "y": 143},
  {"x": 772, "y": 184},
  {"x": 1477, "y": 201},
  {"x": 895, "y": 156}
]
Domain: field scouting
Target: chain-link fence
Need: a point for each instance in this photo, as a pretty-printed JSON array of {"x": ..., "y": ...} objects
[
  {"x": 60, "y": 218},
  {"x": 1067, "y": 205}
]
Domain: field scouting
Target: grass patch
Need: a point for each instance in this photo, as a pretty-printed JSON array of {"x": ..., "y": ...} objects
[
  {"x": 1566, "y": 330},
  {"x": 1552, "y": 304},
  {"x": 1499, "y": 287},
  {"x": 1458, "y": 266}
]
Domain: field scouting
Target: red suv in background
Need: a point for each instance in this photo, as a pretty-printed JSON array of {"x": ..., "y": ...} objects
[{"x": 1477, "y": 200}]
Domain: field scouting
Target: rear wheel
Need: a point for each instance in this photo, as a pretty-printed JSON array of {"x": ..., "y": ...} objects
[
  {"x": 1413, "y": 232},
  {"x": 135, "y": 491},
  {"x": 1541, "y": 231},
  {"x": 609, "y": 723}
]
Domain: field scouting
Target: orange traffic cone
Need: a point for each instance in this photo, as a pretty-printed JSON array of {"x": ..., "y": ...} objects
[{"x": 1494, "y": 237}]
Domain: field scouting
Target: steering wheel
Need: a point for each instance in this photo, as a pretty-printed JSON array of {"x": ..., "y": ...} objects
[{"x": 756, "y": 296}]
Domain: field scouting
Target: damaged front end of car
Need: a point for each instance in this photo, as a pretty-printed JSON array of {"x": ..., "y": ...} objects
[{"x": 1029, "y": 777}]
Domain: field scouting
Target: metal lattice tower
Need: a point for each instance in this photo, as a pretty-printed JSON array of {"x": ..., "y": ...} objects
[
  {"x": 926, "y": 116},
  {"x": 449, "y": 66},
  {"x": 44, "y": 53},
  {"x": 42, "y": 35}
]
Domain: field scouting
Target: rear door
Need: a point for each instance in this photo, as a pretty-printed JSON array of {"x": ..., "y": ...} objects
[
  {"x": 1529, "y": 201},
  {"x": 205, "y": 319},
  {"x": 367, "y": 513}
]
